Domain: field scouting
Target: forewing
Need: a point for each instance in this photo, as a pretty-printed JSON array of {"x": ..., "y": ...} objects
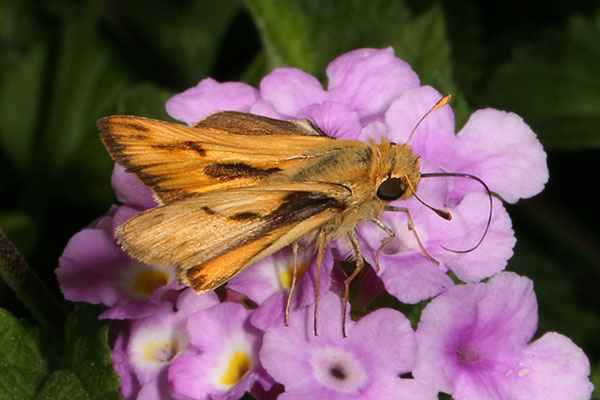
[
  {"x": 177, "y": 161},
  {"x": 213, "y": 236}
]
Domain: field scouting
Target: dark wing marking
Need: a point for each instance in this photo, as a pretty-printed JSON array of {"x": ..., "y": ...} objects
[{"x": 242, "y": 123}]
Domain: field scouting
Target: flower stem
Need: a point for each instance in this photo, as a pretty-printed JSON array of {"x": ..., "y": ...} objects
[{"x": 28, "y": 287}]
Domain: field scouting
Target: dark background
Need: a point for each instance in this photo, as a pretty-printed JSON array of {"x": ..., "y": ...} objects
[{"x": 64, "y": 64}]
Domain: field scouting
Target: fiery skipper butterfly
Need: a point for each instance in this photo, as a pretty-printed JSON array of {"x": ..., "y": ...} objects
[{"x": 236, "y": 187}]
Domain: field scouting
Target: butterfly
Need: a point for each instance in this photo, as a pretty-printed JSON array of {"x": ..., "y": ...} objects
[{"x": 237, "y": 187}]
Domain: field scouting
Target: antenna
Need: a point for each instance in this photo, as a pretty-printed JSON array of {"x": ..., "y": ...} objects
[
  {"x": 441, "y": 103},
  {"x": 487, "y": 189},
  {"x": 442, "y": 213}
]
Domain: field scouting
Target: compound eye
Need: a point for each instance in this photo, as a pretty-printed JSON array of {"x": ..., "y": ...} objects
[{"x": 391, "y": 189}]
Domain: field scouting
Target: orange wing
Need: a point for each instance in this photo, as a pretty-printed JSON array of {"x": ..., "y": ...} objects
[
  {"x": 213, "y": 236},
  {"x": 225, "y": 150}
]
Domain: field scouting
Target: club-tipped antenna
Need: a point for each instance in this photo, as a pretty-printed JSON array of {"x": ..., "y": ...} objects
[
  {"x": 489, "y": 193},
  {"x": 441, "y": 103}
]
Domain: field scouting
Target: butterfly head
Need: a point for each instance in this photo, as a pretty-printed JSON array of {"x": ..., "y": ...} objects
[{"x": 403, "y": 175}]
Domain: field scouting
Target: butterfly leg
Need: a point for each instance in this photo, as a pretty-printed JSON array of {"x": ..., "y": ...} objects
[
  {"x": 411, "y": 227},
  {"x": 384, "y": 242},
  {"x": 360, "y": 263},
  {"x": 293, "y": 284},
  {"x": 321, "y": 240}
]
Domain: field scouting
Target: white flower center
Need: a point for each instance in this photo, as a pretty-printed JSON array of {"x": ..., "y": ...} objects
[
  {"x": 155, "y": 348},
  {"x": 338, "y": 369}
]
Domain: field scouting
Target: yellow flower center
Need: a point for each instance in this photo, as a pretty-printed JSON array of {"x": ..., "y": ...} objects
[
  {"x": 286, "y": 276},
  {"x": 148, "y": 280},
  {"x": 239, "y": 364}
]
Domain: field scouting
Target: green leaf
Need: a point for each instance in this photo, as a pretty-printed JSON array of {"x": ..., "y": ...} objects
[
  {"x": 423, "y": 43},
  {"x": 553, "y": 82},
  {"x": 22, "y": 366},
  {"x": 465, "y": 32},
  {"x": 87, "y": 176},
  {"x": 145, "y": 100},
  {"x": 337, "y": 27},
  {"x": 86, "y": 180},
  {"x": 85, "y": 83},
  {"x": 182, "y": 40},
  {"x": 595, "y": 378},
  {"x": 21, "y": 229},
  {"x": 20, "y": 94},
  {"x": 87, "y": 354},
  {"x": 193, "y": 41},
  {"x": 284, "y": 31},
  {"x": 62, "y": 384},
  {"x": 255, "y": 70}
]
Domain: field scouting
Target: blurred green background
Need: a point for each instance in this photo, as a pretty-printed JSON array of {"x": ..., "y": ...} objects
[{"x": 65, "y": 63}]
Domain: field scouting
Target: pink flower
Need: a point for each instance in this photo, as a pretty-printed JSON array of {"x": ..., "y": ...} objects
[
  {"x": 472, "y": 338},
  {"x": 269, "y": 281},
  {"x": 508, "y": 152},
  {"x": 153, "y": 343},
  {"x": 94, "y": 269},
  {"x": 366, "y": 365},
  {"x": 473, "y": 344},
  {"x": 210, "y": 96},
  {"x": 130, "y": 190},
  {"x": 223, "y": 363}
]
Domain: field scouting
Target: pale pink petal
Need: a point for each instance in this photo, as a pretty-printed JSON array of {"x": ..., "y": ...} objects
[
  {"x": 130, "y": 190},
  {"x": 367, "y": 80},
  {"x": 289, "y": 90},
  {"x": 334, "y": 119},
  {"x": 498, "y": 147},
  {"x": 209, "y": 96},
  {"x": 434, "y": 139},
  {"x": 553, "y": 367}
]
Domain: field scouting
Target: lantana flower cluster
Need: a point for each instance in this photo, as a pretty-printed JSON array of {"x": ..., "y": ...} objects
[{"x": 475, "y": 336}]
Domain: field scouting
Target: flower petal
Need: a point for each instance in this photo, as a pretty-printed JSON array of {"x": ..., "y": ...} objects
[
  {"x": 472, "y": 336},
  {"x": 414, "y": 278},
  {"x": 88, "y": 266},
  {"x": 267, "y": 276},
  {"x": 119, "y": 332},
  {"x": 130, "y": 190},
  {"x": 330, "y": 366},
  {"x": 395, "y": 348},
  {"x": 434, "y": 138},
  {"x": 334, "y": 119},
  {"x": 407, "y": 389},
  {"x": 469, "y": 219},
  {"x": 290, "y": 89},
  {"x": 209, "y": 96},
  {"x": 509, "y": 308},
  {"x": 367, "y": 80},
  {"x": 553, "y": 367},
  {"x": 501, "y": 149},
  {"x": 442, "y": 324},
  {"x": 226, "y": 365}
]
